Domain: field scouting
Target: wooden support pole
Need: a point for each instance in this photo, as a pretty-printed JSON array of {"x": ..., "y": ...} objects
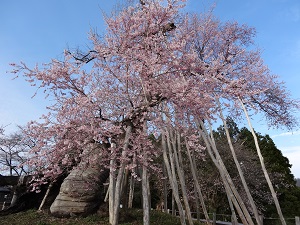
[
  {"x": 297, "y": 220},
  {"x": 234, "y": 219},
  {"x": 214, "y": 218},
  {"x": 3, "y": 206}
]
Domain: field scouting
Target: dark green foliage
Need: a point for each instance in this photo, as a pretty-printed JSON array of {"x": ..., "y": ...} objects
[
  {"x": 290, "y": 201},
  {"x": 233, "y": 129},
  {"x": 275, "y": 162},
  {"x": 277, "y": 165}
]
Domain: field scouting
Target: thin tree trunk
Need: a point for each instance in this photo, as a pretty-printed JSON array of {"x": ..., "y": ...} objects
[
  {"x": 149, "y": 193},
  {"x": 180, "y": 173},
  {"x": 125, "y": 190},
  {"x": 233, "y": 214},
  {"x": 131, "y": 192},
  {"x": 172, "y": 179},
  {"x": 252, "y": 203},
  {"x": 197, "y": 197},
  {"x": 117, "y": 194},
  {"x": 197, "y": 185},
  {"x": 263, "y": 166},
  {"x": 15, "y": 194},
  {"x": 111, "y": 187},
  {"x": 107, "y": 194},
  {"x": 132, "y": 183},
  {"x": 45, "y": 196},
  {"x": 173, "y": 205},
  {"x": 228, "y": 184},
  {"x": 198, "y": 216},
  {"x": 146, "y": 186},
  {"x": 14, "y": 198},
  {"x": 165, "y": 189},
  {"x": 145, "y": 194},
  {"x": 237, "y": 196}
]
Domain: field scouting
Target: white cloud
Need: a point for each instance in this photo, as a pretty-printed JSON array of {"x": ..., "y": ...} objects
[
  {"x": 293, "y": 154},
  {"x": 290, "y": 149},
  {"x": 286, "y": 134}
]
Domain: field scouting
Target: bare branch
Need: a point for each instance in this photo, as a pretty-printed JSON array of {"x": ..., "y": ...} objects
[{"x": 83, "y": 58}]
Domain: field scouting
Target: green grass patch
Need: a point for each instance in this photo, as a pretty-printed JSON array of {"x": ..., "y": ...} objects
[{"x": 131, "y": 217}]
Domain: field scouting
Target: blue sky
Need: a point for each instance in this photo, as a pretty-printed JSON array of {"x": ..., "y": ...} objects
[{"x": 35, "y": 31}]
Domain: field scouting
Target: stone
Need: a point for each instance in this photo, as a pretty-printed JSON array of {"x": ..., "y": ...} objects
[{"x": 81, "y": 192}]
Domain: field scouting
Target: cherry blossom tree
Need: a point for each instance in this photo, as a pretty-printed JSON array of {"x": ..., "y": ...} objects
[
  {"x": 159, "y": 71},
  {"x": 13, "y": 153}
]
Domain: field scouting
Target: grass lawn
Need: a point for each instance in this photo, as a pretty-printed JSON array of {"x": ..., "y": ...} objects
[{"x": 132, "y": 217}]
